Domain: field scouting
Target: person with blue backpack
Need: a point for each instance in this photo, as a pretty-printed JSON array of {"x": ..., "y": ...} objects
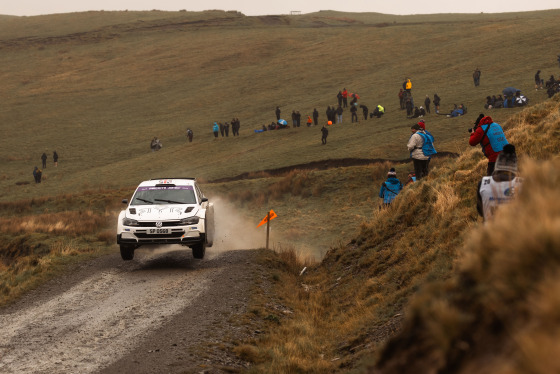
[
  {"x": 421, "y": 147},
  {"x": 390, "y": 188},
  {"x": 491, "y": 138}
]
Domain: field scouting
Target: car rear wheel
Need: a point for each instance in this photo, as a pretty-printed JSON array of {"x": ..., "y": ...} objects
[
  {"x": 198, "y": 250},
  {"x": 127, "y": 252}
]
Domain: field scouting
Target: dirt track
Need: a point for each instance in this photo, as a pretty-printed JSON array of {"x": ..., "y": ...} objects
[{"x": 162, "y": 312}]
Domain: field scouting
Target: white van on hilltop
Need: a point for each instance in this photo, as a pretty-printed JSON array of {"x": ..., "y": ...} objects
[{"x": 166, "y": 211}]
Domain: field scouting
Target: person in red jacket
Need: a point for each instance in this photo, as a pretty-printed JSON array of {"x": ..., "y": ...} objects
[{"x": 491, "y": 138}]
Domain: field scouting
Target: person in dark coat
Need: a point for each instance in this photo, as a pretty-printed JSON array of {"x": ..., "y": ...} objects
[
  {"x": 324, "y": 134},
  {"x": 298, "y": 118},
  {"x": 315, "y": 117},
  {"x": 278, "y": 113},
  {"x": 436, "y": 102},
  {"x": 538, "y": 80},
  {"x": 190, "y": 135},
  {"x": 294, "y": 118},
  {"x": 339, "y": 98},
  {"x": 222, "y": 129},
  {"x": 409, "y": 107},
  {"x": 353, "y": 110},
  {"x": 427, "y": 102},
  {"x": 476, "y": 77},
  {"x": 44, "y": 159},
  {"x": 365, "y": 111},
  {"x": 55, "y": 158},
  {"x": 37, "y": 174},
  {"x": 226, "y": 129}
]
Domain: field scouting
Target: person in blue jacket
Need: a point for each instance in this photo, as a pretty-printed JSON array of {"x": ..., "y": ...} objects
[
  {"x": 390, "y": 188},
  {"x": 215, "y": 129}
]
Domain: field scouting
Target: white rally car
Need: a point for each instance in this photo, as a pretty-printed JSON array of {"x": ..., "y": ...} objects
[{"x": 166, "y": 211}]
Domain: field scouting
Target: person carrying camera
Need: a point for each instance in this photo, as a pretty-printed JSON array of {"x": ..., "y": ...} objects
[{"x": 491, "y": 138}]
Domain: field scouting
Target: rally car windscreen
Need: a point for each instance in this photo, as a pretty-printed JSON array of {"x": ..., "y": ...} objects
[{"x": 164, "y": 195}]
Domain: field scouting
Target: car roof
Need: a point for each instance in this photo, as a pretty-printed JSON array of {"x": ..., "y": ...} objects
[{"x": 169, "y": 181}]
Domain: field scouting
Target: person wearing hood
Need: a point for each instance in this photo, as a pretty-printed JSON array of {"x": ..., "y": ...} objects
[
  {"x": 491, "y": 138},
  {"x": 390, "y": 188},
  {"x": 421, "y": 149},
  {"x": 502, "y": 186}
]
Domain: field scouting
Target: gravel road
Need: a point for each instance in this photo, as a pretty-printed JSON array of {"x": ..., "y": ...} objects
[{"x": 164, "y": 312}]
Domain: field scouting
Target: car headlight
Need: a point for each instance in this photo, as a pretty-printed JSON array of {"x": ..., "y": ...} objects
[
  {"x": 189, "y": 221},
  {"x": 129, "y": 222}
]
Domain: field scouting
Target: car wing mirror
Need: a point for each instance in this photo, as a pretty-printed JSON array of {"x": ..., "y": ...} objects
[{"x": 125, "y": 201}]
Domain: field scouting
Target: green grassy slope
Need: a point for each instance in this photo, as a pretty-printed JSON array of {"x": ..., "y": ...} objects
[{"x": 98, "y": 93}]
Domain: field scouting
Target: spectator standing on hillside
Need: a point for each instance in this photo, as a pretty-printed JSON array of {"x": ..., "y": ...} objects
[
  {"x": 345, "y": 98},
  {"x": 298, "y": 118},
  {"x": 55, "y": 158},
  {"x": 226, "y": 129},
  {"x": 278, "y": 113},
  {"x": 401, "y": 99},
  {"x": 491, "y": 138},
  {"x": 476, "y": 77},
  {"x": 390, "y": 188},
  {"x": 339, "y": 98},
  {"x": 325, "y": 133},
  {"x": 315, "y": 117},
  {"x": 37, "y": 174},
  {"x": 190, "y": 135},
  {"x": 294, "y": 119},
  {"x": 502, "y": 186},
  {"x": 365, "y": 111},
  {"x": 407, "y": 85},
  {"x": 436, "y": 102},
  {"x": 427, "y": 102},
  {"x": 421, "y": 149},
  {"x": 44, "y": 159},
  {"x": 216, "y": 130},
  {"x": 409, "y": 107},
  {"x": 353, "y": 110},
  {"x": 538, "y": 81},
  {"x": 339, "y": 112}
]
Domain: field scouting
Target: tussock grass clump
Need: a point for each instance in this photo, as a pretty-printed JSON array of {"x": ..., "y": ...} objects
[
  {"x": 503, "y": 299},
  {"x": 68, "y": 223}
]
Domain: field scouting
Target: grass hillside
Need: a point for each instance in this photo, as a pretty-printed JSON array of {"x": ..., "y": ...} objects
[
  {"x": 453, "y": 294},
  {"x": 98, "y": 86}
]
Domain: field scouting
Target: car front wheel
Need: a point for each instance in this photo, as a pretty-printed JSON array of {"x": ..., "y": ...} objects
[
  {"x": 198, "y": 250},
  {"x": 127, "y": 252}
]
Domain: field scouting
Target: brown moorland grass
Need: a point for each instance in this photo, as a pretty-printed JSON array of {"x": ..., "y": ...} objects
[{"x": 479, "y": 297}]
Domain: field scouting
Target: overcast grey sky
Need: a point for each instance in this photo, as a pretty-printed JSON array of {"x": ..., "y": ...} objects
[{"x": 260, "y": 7}]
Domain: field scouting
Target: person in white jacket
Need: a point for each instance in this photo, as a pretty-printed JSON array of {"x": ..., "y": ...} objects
[{"x": 419, "y": 158}]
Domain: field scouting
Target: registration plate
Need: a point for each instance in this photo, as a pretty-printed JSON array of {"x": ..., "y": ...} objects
[{"x": 158, "y": 231}]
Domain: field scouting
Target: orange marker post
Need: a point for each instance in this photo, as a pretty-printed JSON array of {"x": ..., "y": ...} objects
[{"x": 269, "y": 216}]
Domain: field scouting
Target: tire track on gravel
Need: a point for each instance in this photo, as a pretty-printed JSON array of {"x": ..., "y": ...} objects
[{"x": 101, "y": 318}]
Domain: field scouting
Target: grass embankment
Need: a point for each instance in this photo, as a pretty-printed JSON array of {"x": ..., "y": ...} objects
[
  {"x": 487, "y": 300},
  {"x": 43, "y": 236}
]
